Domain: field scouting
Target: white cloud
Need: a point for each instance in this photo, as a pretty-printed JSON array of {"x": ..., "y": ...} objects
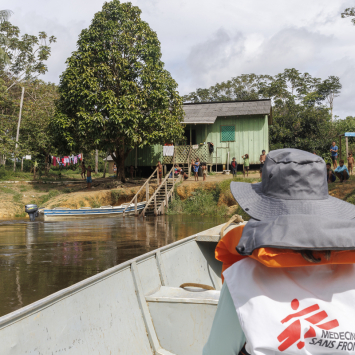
[{"x": 208, "y": 41}]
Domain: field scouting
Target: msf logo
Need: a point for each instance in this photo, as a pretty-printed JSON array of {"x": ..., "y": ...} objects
[{"x": 292, "y": 333}]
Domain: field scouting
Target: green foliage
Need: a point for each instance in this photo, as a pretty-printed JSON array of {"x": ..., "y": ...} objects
[
  {"x": 300, "y": 126},
  {"x": 4, "y": 16},
  {"x": 22, "y": 59},
  {"x": 7, "y": 190},
  {"x": 45, "y": 198},
  {"x": 243, "y": 87},
  {"x": 26, "y": 55},
  {"x": 115, "y": 93},
  {"x": 301, "y": 118},
  {"x": 202, "y": 202},
  {"x": 95, "y": 204},
  {"x": 116, "y": 195},
  {"x": 242, "y": 213},
  {"x": 17, "y": 197},
  {"x": 349, "y": 12}
]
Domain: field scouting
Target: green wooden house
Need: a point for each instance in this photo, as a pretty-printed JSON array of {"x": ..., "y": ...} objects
[{"x": 235, "y": 128}]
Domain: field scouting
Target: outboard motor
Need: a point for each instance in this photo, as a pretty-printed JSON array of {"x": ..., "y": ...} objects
[{"x": 32, "y": 211}]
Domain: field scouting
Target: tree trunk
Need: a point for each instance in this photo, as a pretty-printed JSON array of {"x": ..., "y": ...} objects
[
  {"x": 331, "y": 111},
  {"x": 46, "y": 164},
  {"x": 96, "y": 161},
  {"x": 119, "y": 158},
  {"x": 34, "y": 173},
  {"x": 105, "y": 167},
  {"x": 22, "y": 164}
]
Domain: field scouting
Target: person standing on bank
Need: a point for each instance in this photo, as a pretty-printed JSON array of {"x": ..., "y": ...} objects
[
  {"x": 88, "y": 179},
  {"x": 289, "y": 273},
  {"x": 204, "y": 170},
  {"x": 334, "y": 152},
  {"x": 196, "y": 167},
  {"x": 160, "y": 172},
  {"x": 246, "y": 164},
  {"x": 262, "y": 161},
  {"x": 83, "y": 170},
  {"x": 234, "y": 167}
]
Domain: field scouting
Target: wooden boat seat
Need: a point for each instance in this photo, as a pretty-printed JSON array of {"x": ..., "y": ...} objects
[
  {"x": 182, "y": 317},
  {"x": 184, "y": 295}
]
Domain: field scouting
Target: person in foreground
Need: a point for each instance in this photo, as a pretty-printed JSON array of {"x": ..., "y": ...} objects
[
  {"x": 289, "y": 273},
  {"x": 341, "y": 171}
]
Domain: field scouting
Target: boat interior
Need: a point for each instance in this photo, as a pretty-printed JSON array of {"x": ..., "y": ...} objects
[{"x": 137, "y": 307}]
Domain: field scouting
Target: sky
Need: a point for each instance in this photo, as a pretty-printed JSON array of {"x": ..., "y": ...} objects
[{"x": 204, "y": 42}]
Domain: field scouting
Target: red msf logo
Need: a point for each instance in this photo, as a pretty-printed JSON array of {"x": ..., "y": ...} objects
[{"x": 292, "y": 333}]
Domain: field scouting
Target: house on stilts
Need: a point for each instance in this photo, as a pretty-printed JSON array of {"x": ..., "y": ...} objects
[{"x": 215, "y": 132}]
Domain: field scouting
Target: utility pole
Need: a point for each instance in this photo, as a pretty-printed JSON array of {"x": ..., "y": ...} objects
[{"x": 18, "y": 127}]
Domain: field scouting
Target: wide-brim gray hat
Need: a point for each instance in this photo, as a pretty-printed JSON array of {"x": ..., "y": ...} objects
[{"x": 293, "y": 182}]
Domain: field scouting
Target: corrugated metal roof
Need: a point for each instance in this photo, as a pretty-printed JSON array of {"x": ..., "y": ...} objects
[{"x": 208, "y": 112}]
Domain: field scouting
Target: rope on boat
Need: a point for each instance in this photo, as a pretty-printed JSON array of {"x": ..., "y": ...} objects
[
  {"x": 205, "y": 287},
  {"x": 234, "y": 219}
]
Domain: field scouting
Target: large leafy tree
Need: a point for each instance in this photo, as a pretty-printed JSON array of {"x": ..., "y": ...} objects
[
  {"x": 302, "y": 125},
  {"x": 243, "y": 87},
  {"x": 115, "y": 93},
  {"x": 4, "y": 15},
  {"x": 22, "y": 59},
  {"x": 35, "y": 135},
  {"x": 26, "y": 56},
  {"x": 329, "y": 89},
  {"x": 301, "y": 118}
]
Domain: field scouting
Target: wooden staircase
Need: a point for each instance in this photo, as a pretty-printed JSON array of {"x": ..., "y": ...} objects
[
  {"x": 163, "y": 194},
  {"x": 134, "y": 200}
]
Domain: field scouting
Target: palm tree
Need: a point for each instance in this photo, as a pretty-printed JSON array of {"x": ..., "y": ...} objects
[{"x": 4, "y": 15}]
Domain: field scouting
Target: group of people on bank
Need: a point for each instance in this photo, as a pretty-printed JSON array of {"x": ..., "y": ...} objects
[
  {"x": 341, "y": 172},
  {"x": 246, "y": 164}
]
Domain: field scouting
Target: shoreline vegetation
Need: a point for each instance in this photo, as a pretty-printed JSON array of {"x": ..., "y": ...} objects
[{"x": 210, "y": 198}]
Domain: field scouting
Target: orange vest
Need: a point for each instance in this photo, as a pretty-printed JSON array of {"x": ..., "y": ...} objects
[{"x": 273, "y": 257}]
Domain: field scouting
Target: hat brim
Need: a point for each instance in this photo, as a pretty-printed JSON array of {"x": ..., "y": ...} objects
[{"x": 260, "y": 206}]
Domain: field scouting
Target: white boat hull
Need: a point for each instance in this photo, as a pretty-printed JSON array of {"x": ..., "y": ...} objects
[
  {"x": 136, "y": 307},
  {"x": 60, "y": 214}
]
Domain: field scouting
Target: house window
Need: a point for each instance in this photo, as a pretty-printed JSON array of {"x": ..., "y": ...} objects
[{"x": 227, "y": 133}]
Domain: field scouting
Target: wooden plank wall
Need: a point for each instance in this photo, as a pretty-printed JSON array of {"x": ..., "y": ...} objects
[{"x": 251, "y": 136}]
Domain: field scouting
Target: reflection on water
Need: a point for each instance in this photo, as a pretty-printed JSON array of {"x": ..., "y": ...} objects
[{"x": 37, "y": 259}]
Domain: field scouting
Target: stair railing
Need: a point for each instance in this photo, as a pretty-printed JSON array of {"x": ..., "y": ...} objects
[
  {"x": 168, "y": 194},
  {"x": 156, "y": 191},
  {"x": 135, "y": 198}
]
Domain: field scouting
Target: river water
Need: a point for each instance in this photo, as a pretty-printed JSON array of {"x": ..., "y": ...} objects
[{"x": 37, "y": 259}]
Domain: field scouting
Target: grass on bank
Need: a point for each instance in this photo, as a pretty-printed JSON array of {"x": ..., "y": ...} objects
[
  {"x": 206, "y": 202},
  {"x": 54, "y": 174}
]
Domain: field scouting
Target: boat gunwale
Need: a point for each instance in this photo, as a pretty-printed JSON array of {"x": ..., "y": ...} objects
[{"x": 55, "y": 297}]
